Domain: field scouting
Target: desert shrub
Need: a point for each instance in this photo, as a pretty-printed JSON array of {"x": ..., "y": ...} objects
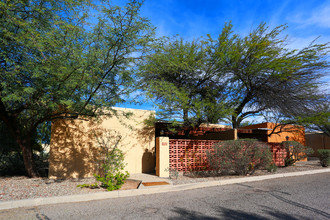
[
  {"x": 239, "y": 156},
  {"x": 173, "y": 173},
  {"x": 11, "y": 164},
  {"x": 11, "y": 159},
  {"x": 324, "y": 156},
  {"x": 113, "y": 177},
  {"x": 91, "y": 186},
  {"x": 111, "y": 165},
  {"x": 271, "y": 167},
  {"x": 296, "y": 151}
]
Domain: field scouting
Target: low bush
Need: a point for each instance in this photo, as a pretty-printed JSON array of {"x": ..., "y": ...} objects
[
  {"x": 271, "y": 167},
  {"x": 11, "y": 164},
  {"x": 239, "y": 156},
  {"x": 324, "y": 156},
  {"x": 111, "y": 164},
  {"x": 91, "y": 186},
  {"x": 113, "y": 177},
  {"x": 296, "y": 151},
  {"x": 173, "y": 173}
]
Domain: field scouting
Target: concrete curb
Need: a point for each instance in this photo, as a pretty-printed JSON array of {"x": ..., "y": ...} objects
[{"x": 146, "y": 191}]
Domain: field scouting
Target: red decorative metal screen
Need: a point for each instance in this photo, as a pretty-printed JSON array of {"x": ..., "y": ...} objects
[{"x": 190, "y": 155}]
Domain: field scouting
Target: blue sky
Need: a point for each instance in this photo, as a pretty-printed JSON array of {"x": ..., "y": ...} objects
[
  {"x": 306, "y": 19},
  {"x": 192, "y": 19}
]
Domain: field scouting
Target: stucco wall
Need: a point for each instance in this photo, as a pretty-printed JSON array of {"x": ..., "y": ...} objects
[{"x": 74, "y": 143}]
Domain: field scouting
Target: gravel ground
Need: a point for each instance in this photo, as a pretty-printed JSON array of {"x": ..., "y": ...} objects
[
  {"x": 17, "y": 188},
  {"x": 300, "y": 166}
]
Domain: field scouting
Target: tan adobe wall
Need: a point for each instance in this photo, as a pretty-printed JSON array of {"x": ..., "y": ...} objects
[{"x": 74, "y": 150}]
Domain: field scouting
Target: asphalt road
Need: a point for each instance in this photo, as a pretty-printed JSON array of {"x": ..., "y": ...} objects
[{"x": 304, "y": 197}]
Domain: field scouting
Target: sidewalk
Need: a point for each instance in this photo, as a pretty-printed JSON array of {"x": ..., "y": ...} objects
[
  {"x": 147, "y": 190},
  {"x": 150, "y": 178}
]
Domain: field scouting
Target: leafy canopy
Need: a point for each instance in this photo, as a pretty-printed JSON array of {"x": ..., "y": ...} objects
[
  {"x": 182, "y": 78},
  {"x": 265, "y": 75},
  {"x": 56, "y": 60}
]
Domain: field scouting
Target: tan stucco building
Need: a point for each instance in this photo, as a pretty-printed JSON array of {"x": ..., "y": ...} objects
[{"x": 74, "y": 148}]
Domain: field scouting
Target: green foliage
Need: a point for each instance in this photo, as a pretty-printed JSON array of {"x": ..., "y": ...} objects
[
  {"x": 56, "y": 63},
  {"x": 111, "y": 164},
  {"x": 7, "y": 141},
  {"x": 296, "y": 151},
  {"x": 91, "y": 186},
  {"x": 173, "y": 173},
  {"x": 112, "y": 181},
  {"x": 181, "y": 77},
  {"x": 235, "y": 76},
  {"x": 271, "y": 168},
  {"x": 265, "y": 75},
  {"x": 11, "y": 164},
  {"x": 324, "y": 156},
  {"x": 239, "y": 156},
  {"x": 289, "y": 161},
  {"x": 319, "y": 119},
  {"x": 11, "y": 160}
]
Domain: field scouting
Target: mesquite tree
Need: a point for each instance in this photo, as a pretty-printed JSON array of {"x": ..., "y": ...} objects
[
  {"x": 182, "y": 78},
  {"x": 266, "y": 75},
  {"x": 57, "y": 61}
]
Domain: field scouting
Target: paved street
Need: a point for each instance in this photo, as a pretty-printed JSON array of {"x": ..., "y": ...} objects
[{"x": 304, "y": 197}]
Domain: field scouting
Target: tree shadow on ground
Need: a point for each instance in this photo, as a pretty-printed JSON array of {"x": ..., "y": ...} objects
[
  {"x": 302, "y": 206},
  {"x": 275, "y": 193},
  {"x": 232, "y": 214},
  {"x": 222, "y": 213}
]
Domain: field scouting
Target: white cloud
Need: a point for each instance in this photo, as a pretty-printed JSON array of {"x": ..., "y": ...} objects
[
  {"x": 320, "y": 17},
  {"x": 314, "y": 17},
  {"x": 301, "y": 42}
]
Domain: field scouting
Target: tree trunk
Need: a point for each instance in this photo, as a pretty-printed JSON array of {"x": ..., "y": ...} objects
[
  {"x": 235, "y": 119},
  {"x": 185, "y": 117},
  {"x": 25, "y": 146},
  {"x": 23, "y": 140},
  {"x": 235, "y": 122}
]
